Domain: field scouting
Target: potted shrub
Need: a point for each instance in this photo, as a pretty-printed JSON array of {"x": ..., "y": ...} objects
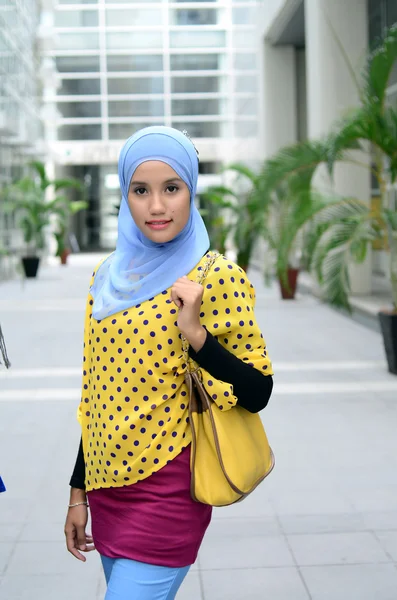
[
  {"x": 65, "y": 210},
  {"x": 27, "y": 199},
  {"x": 246, "y": 213},
  {"x": 342, "y": 228}
]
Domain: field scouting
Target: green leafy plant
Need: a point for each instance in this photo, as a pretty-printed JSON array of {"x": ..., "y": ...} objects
[
  {"x": 341, "y": 229},
  {"x": 26, "y": 198},
  {"x": 245, "y": 209}
]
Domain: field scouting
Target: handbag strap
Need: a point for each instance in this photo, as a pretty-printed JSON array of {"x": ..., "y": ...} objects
[{"x": 211, "y": 257}]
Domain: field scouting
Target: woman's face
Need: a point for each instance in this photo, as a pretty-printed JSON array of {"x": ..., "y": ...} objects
[{"x": 159, "y": 201}]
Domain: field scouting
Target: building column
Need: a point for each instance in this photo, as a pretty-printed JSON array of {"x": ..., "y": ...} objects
[
  {"x": 331, "y": 91},
  {"x": 278, "y": 99}
]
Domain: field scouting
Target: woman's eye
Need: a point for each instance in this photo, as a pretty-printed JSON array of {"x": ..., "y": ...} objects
[
  {"x": 140, "y": 191},
  {"x": 172, "y": 188}
]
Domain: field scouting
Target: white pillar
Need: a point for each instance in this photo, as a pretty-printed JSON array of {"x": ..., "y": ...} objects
[
  {"x": 278, "y": 120},
  {"x": 331, "y": 91}
]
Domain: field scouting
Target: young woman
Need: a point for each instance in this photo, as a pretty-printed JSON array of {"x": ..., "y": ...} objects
[{"x": 133, "y": 464}]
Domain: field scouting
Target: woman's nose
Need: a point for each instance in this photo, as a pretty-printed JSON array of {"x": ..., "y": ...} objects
[{"x": 157, "y": 205}]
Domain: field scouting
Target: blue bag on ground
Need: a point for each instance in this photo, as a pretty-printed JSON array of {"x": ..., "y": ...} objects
[{"x": 2, "y": 486}]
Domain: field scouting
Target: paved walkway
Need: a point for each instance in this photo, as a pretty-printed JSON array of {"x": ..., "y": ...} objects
[{"x": 322, "y": 527}]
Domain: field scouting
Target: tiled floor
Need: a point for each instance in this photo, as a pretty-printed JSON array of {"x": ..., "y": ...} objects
[{"x": 322, "y": 527}]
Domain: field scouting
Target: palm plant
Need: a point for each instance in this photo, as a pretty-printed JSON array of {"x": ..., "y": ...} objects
[
  {"x": 245, "y": 211},
  {"x": 342, "y": 228},
  {"x": 27, "y": 199}
]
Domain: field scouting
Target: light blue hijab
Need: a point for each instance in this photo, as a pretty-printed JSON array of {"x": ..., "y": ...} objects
[{"x": 139, "y": 268}]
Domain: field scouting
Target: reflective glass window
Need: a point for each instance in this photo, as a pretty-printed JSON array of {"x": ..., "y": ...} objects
[
  {"x": 134, "y": 63},
  {"x": 76, "y": 18},
  {"x": 138, "y": 85},
  {"x": 136, "y": 108},
  {"x": 77, "y": 64},
  {"x": 194, "y": 16},
  {"x": 121, "y": 131},
  {"x": 196, "y": 107},
  {"x": 79, "y": 87},
  {"x": 245, "y": 83},
  {"x": 77, "y": 41},
  {"x": 209, "y": 129},
  {"x": 196, "y": 62},
  {"x": 197, "y": 39},
  {"x": 195, "y": 85},
  {"x": 79, "y": 110},
  {"x": 133, "y": 18},
  {"x": 244, "y": 61},
  {"x": 134, "y": 40},
  {"x": 79, "y": 132}
]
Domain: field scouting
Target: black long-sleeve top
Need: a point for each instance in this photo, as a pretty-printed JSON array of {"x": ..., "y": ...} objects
[{"x": 251, "y": 387}]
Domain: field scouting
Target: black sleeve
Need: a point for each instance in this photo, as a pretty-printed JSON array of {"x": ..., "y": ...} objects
[
  {"x": 252, "y": 388},
  {"x": 78, "y": 478}
]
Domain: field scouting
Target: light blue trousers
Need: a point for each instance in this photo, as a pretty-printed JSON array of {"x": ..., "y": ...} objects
[{"x": 132, "y": 580}]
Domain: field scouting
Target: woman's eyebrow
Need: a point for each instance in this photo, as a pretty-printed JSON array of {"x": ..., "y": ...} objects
[
  {"x": 173, "y": 179},
  {"x": 167, "y": 181}
]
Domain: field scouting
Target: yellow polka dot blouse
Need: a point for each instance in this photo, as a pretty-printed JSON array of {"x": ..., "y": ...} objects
[{"x": 134, "y": 406}]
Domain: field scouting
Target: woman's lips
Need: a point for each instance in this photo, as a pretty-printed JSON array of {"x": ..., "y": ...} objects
[{"x": 158, "y": 225}]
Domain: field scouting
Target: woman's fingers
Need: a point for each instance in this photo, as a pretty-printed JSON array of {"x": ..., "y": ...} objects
[
  {"x": 184, "y": 291},
  {"x": 77, "y": 541},
  {"x": 71, "y": 544},
  {"x": 175, "y": 297}
]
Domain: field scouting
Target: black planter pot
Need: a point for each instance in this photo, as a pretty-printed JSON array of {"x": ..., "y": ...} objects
[
  {"x": 388, "y": 325},
  {"x": 30, "y": 265}
]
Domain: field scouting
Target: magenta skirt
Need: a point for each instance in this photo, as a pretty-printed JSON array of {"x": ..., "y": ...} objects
[{"x": 153, "y": 521}]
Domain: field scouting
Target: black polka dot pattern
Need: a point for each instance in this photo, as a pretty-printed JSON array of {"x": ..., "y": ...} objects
[{"x": 134, "y": 406}]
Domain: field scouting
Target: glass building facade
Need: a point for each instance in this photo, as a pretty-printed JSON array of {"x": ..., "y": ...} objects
[
  {"x": 125, "y": 65},
  {"x": 20, "y": 124}
]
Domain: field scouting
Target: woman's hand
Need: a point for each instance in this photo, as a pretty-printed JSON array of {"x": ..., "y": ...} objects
[
  {"x": 76, "y": 536},
  {"x": 187, "y": 295}
]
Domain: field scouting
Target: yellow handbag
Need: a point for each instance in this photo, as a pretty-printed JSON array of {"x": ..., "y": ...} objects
[{"x": 230, "y": 452}]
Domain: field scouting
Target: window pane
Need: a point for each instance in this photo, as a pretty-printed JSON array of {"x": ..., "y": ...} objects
[
  {"x": 78, "y": 1},
  {"x": 245, "y": 83},
  {"x": 79, "y": 110},
  {"x": 77, "y": 64},
  {"x": 76, "y": 18},
  {"x": 244, "y": 15},
  {"x": 246, "y": 129},
  {"x": 197, "y": 39},
  {"x": 133, "y": 1},
  {"x": 246, "y": 106},
  {"x": 199, "y": 130},
  {"x": 77, "y": 87},
  {"x": 391, "y": 12},
  {"x": 245, "y": 61},
  {"x": 122, "y": 131},
  {"x": 375, "y": 21},
  {"x": 194, "y": 16},
  {"x": 79, "y": 132},
  {"x": 209, "y": 168},
  {"x": 244, "y": 39},
  {"x": 196, "y": 107},
  {"x": 136, "y": 108},
  {"x": 153, "y": 85},
  {"x": 135, "y": 63},
  {"x": 149, "y": 39},
  {"x": 77, "y": 41},
  {"x": 125, "y": 17},
  {"x": 195, "y": 85},
  {"x": 196, "y": 62}
]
